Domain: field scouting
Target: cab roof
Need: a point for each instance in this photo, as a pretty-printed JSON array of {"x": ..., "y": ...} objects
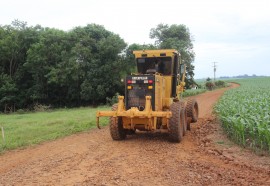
[{"x": 155, "y": 53}]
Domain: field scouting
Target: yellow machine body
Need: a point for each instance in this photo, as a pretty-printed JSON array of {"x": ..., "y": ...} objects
[{"x": 153, "y": 114}]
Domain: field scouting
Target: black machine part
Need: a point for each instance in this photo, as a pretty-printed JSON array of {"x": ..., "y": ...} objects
[{"x": 137, "y": 87}]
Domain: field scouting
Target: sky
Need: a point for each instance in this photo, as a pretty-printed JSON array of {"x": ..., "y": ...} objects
[{"x": 233, "y": 33}]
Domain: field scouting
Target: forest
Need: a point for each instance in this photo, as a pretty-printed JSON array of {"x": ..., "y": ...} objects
[{"x": 80, "y": 67}]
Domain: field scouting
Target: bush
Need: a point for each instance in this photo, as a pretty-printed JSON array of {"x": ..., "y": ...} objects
[
  {"x": 113, "y": 100},
  {"x": 220, "y": 83},
  {"x": 41, "y": 108},
  {"x": 20, "y": 111},
  {"x": 209, "y": 85}
]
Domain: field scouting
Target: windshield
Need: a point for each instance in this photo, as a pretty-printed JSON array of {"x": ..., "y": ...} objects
[{"x": 161, "y": 65}]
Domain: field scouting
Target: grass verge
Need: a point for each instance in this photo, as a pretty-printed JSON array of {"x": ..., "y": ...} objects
[
  {"x": 193, "y": 92},
  {"x": 22, "y": 130}
]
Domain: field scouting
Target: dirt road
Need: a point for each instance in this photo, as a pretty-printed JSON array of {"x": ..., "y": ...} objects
[{"x": 204, "y": 157}]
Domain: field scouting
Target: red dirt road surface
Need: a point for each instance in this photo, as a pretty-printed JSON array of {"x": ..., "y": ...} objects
[{"x": 204, "y": 157}]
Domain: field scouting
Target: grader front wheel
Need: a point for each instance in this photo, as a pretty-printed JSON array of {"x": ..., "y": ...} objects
[
  {"x": 176, "y": 125},
  {"x": 116, "y": 126}
]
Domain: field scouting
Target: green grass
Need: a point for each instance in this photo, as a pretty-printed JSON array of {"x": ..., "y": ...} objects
[
  {"x": 32, "y": 128},
  {"x": 193, "y": 92},
  {"x": 245, "y": 113}
]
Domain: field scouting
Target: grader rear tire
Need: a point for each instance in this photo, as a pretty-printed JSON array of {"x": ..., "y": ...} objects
[
  {"x": 116, "y": 126},
  {"x": 184, "y": 116},
  {"x": 188, "y": 123},
  {"x": 184, "y": 119},
  {"x": 176, "y": 128},
  {"x": 192, "y": 110}
]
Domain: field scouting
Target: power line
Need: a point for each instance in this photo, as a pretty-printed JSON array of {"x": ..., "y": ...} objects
[{"x": 215, "y": 69}]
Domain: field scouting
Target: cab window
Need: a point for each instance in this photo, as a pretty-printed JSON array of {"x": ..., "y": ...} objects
[{"x": 161, "y": 65}]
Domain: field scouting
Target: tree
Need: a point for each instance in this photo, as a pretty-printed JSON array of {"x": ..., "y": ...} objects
[
  {"x": 98, "y": 56},
  {"x": 15, "y": 40},
  {"x": 43, "y": 59},
  {"x": 176, "y": 37},
  {"x": 79, "y": 67},
  {"x": 8, "y": 92}
]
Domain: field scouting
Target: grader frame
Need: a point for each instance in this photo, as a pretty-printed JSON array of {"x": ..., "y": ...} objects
[{"x": 152, "y": 98}]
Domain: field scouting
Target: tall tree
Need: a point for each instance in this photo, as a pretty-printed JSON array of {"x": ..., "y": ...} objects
[
  {"x": 42, "y": 58},
  {"x": 8, "y": 93},
  {"x": 15, "y": 40},
  {"x": 98, "y": 55},
  {"x": 176, "y": 37}
]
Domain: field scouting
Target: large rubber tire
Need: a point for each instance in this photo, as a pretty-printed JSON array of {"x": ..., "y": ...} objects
[
  {"x": 192, "y": 110},
  {"x": 188, "y": 123},
  {"x": 116, "y": 126},
  {"x": 184, "y": 116},
  {"x": 176, "y": 128},
  {"x": 184, "y": 119}
]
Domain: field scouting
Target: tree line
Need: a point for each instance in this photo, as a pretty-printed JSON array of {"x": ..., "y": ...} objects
[{"x": 83, "y": 66}]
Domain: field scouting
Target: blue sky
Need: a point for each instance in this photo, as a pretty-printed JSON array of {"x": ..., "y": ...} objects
[{"x": 233, "y": 33}]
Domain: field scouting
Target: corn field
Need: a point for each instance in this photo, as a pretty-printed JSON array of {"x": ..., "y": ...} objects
[{"x": 245, "y": 113}]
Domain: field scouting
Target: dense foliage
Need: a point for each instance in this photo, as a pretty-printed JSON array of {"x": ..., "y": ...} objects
[
  {"x": 53, "y": 67},
  {"x": 245, "y": 112},
  {"x": 48, "y": 66}
]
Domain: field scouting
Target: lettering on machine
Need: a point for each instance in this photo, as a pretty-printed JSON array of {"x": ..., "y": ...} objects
[{"x": 139, "y": 78}]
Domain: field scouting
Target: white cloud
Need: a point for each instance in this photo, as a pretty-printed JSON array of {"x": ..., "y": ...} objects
[{"x": 234, "y": 33}]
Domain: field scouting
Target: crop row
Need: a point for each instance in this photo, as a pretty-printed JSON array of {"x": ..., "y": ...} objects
[{"x": 245, "y": 113}]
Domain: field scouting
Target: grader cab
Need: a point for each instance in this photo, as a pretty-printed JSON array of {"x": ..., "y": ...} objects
[{"x": 153, "y": 98}]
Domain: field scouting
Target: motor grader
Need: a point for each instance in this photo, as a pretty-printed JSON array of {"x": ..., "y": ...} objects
[{"x": 153, "y": 100}]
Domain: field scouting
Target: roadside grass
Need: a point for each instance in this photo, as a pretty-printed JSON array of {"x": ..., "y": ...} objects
[
  {"x": 22, "y": 130},
  {"x": 193, "y": 92}
]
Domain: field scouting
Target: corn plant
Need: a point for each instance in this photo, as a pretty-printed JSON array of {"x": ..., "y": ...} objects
[{"x": 245, "y": 113}]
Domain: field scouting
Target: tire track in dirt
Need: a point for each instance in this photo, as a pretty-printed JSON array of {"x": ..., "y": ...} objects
[{"x": 204, "y": 157}]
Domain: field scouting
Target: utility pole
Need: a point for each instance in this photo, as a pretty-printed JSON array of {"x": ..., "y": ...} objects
[{"x": 215, "y": 69}]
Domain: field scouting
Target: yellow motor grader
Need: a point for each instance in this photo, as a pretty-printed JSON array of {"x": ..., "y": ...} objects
[{"x": 153, "y": 98}]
